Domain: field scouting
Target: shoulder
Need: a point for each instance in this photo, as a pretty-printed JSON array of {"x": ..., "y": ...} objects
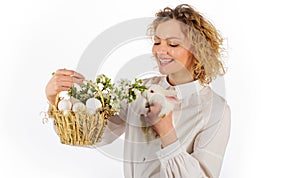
[
  {"x": 216, "y": 104},
  {"x": 220, "y": 100},
  {"x": 208, "y": 95},
  {"x": 220, "y": 103}
]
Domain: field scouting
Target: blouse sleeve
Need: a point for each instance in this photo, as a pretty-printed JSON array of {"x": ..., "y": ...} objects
[{"x": 207, "y": 156}]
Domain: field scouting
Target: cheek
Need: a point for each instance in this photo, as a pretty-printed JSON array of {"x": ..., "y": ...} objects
[
  {"x": 178, "y": 52},
  {"x": 154, "y": 51},
  {"x": 183, "y": 56}
]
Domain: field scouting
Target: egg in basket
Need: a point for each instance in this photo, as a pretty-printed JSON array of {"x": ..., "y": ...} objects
[{"x": 80, "y": 119}]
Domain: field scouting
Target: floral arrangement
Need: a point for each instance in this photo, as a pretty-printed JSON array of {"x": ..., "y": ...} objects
[
  {"x": 88, "y": 98},
  {"x": 80, "y": 119}
]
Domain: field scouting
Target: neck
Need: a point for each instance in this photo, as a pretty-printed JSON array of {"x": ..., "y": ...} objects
[{"x": 179, "y": 78}]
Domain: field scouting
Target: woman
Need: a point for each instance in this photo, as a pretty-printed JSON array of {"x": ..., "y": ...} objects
[{"x": 191, "y": 140}]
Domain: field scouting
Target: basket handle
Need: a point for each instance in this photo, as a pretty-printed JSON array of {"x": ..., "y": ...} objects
[{"x": 91, "y": 83}]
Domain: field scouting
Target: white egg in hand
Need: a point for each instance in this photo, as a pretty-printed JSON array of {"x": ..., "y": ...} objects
[
  {"x": 78, "y": 106},
  {"x": 92, "y": 105}
]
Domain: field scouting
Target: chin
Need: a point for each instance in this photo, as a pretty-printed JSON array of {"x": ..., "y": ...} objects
[{"x": 164, "y": 72}]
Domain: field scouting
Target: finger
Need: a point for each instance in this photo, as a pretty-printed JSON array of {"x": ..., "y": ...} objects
[
  {"x": 63, "y": 78},
  {"x": 66, "y": 84},
  {"x": 68, "y": 79},
  {"x": 58, "y": 89},
  {"x": 150, "y": 119},
  {"x": 63, "y": 88},
  {"x": 77, "y": 75},
  {"x": 69, "y": 73},
  {"x": 155, "y": 108},
  {"x": 153, "y": 111},
  {"x": 79, "y": 81},
  {"x": 64, "y": 72}
]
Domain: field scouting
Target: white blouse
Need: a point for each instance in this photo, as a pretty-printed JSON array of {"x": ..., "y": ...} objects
[{"x": 202, "y": 124}]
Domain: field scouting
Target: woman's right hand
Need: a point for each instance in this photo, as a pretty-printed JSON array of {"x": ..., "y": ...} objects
[{"x": 62, "y": 80}]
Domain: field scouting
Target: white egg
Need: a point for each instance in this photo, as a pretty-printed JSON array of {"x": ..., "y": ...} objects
[
  {"x": 64, "y": 105},
  {"x": 65, "y": 112},
  {"x": 91, "y": 111},
  {"x": 92, "y": 105},
  {"x": 78, "y": 106}
]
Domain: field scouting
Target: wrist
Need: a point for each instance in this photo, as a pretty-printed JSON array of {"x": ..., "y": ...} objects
[
  {"x": 168, "y": 138},
  {"x": 51, "y": 100}
]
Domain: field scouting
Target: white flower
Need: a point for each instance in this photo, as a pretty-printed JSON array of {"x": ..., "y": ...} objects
[
  {"x": 113, "y": 94},
  {"x": 77, "y": 86},
  {"x": 100, "y": 85},
  {"x": 74, "y": 100}
]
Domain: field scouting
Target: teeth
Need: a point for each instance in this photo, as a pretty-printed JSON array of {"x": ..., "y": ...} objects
[{"x": 165, "y": 60}]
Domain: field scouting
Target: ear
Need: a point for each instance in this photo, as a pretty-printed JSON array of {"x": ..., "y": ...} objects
[{"x": 173, "y": 99}]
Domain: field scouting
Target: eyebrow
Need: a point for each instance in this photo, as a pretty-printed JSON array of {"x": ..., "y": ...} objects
[{"x": 169, "y": 38}]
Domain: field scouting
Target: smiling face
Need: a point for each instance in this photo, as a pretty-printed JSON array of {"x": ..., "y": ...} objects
[{"x": 170, "y": 49}]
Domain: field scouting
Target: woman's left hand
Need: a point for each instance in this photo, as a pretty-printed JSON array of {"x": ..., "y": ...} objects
[{"x": 163, "y": 126}]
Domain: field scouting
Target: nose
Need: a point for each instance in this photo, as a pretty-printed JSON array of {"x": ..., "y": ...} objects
[{"x": 161, "y": 48}]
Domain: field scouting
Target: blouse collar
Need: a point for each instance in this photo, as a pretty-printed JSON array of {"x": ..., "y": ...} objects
[{"x": 183, "y": 90}]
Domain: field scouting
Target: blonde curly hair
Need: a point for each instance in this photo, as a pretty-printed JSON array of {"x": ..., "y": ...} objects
[{"x": 205, "y": 40}]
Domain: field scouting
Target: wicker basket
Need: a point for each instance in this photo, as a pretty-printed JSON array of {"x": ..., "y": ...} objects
[{"x": 81, "y": 128}]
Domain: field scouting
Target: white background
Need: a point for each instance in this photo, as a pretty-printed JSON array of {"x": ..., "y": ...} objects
[{"x": 39, "y": 36}]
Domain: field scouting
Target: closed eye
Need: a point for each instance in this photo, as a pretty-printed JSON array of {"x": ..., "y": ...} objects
[{"x": 173, "y": 45}]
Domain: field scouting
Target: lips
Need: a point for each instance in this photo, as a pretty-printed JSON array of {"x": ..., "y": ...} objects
[{"x": 165, "y": 61}]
